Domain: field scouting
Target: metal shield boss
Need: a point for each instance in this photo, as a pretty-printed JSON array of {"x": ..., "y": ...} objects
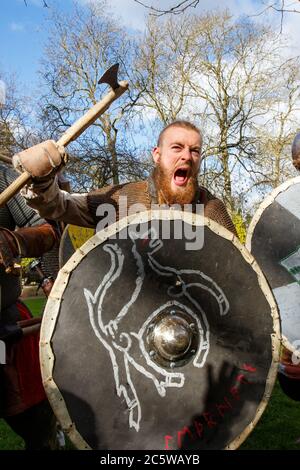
[{"x": 160, "y": 333}]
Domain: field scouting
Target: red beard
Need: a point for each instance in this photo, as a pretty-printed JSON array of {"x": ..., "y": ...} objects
[{"x": 166, "y": 195}]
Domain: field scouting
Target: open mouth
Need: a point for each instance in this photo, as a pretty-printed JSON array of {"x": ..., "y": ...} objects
[{"x": 181, "y": 176}]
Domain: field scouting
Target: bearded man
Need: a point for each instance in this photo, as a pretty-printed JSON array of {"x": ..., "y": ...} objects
[{"x": 177, "y": 157}]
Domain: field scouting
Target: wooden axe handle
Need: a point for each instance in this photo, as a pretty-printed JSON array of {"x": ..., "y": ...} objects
[
  {"x": 71, "y": 134},
  {"x": 91, "y": 115},
  {"x": 14, "y": 187}
]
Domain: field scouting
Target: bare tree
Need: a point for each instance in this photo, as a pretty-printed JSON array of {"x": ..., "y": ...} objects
[
  {"x": 16, "y": 132},
  {"x": 236, "y": 76},
  {"x": 80, "y": 48},
  {"x": 163, "y": 67},
  {"x": 273, "y": 159},
  {"x": 225, "y": 76}
]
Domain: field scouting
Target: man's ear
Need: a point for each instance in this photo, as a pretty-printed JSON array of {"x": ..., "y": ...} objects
[{"x": 155, "y": 154}]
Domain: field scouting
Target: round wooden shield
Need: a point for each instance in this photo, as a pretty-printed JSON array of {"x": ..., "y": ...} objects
[
  {"x": 274, "y": 240},
  {"x": 160, "y": 333},
  {"x": 73, "y": 237}
]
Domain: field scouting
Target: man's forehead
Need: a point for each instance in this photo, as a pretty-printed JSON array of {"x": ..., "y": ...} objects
[{"x": 178, "y": 134}]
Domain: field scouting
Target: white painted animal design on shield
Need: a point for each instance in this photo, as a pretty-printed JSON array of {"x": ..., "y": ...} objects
[{"x": 119, "y": 342}]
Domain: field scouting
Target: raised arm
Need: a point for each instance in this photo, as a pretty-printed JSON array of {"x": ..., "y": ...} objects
[
  {"x": 53, "y": 203},
  {"x": 42, "y": 193}
]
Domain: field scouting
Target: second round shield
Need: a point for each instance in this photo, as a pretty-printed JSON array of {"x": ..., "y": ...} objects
[{"x": 274, "y": 240}]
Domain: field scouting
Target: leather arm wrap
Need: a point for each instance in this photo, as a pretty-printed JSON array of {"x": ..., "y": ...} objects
[
  {"x": 35, "y": 241},
  {"x": 9, "y": 248}
]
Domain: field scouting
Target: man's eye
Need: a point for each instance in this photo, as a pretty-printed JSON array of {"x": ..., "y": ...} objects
[
  {"x": 196, "y": 151},
  {"x": 176, "y": 147}
]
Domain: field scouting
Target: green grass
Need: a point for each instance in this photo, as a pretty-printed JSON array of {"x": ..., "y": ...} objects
[
  {"x": 279, "y": 427},
  {"x": 36, "y": 305},
  {"x": 8, "y": 439}
]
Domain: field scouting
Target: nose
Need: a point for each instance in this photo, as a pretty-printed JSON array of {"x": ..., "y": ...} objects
[{"x": 186, "y": 154}]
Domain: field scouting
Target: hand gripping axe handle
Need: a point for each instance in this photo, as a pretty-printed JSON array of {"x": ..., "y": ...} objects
[{"x": 117, "y": 89}]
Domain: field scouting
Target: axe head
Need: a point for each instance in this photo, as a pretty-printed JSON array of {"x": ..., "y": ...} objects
[{"x": 111, "y": 76}]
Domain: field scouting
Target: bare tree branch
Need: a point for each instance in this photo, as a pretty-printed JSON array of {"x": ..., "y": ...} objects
[
  {"x": 45, "y": 5},
  {"x": 80, "y": 47},
  {"x": 281, "y": 7},
  {"x": 175, "y": 10}
]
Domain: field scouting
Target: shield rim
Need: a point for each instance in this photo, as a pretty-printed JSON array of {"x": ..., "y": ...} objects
[
  {"x": 255, "y": 219},
  {"x": 47, "y": 358}
]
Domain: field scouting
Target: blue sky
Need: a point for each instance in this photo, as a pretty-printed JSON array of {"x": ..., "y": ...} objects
[{"x": 23, "y": 30}]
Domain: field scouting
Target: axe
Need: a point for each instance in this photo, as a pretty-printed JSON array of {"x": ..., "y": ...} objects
[{"x": 118, "y": 88}]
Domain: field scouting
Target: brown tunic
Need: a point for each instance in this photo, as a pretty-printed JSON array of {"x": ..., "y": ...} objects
[
  {"x": 81, "y": 209},
  {"x": 143, "y": 192}
]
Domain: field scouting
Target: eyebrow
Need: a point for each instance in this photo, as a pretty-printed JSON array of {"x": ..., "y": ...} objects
[
  {"x": 193, "y": 147},
  {"x": 176, "y": 143}
]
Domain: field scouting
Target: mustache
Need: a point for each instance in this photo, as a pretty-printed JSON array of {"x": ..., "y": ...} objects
[{"x": 184, "y": 165}]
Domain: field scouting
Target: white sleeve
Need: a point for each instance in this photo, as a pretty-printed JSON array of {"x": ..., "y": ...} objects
[{"x": 53, "y": 203}]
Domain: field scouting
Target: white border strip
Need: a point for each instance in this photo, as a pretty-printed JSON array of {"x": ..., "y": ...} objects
[{"x": 263, "y": 206}]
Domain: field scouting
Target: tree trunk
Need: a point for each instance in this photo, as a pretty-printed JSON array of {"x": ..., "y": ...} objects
[
  {"x": 112, "y": 138},
  {"x": 227, "y": 184}
]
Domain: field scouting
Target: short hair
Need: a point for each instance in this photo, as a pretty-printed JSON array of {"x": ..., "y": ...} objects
[{"x": 183, "y": 124}]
